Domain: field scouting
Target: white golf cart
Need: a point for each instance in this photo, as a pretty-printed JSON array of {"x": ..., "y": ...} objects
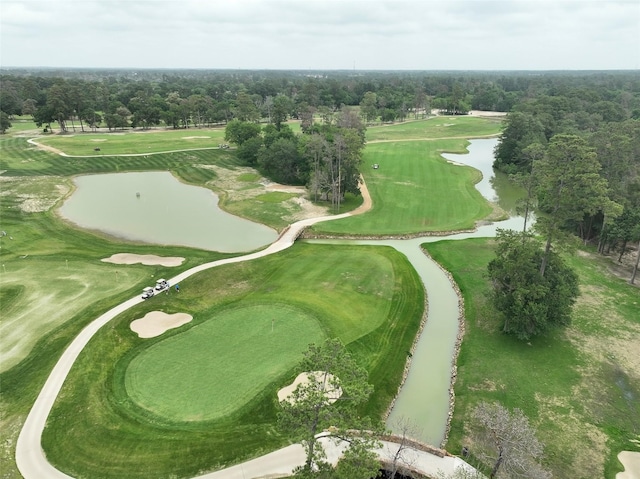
[{"x": 147, "y": 292}]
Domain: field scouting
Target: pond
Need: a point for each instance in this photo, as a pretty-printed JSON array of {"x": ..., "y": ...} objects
[
  {"x": 495, "y": 186},
  {"x": 154, "y": 207}
]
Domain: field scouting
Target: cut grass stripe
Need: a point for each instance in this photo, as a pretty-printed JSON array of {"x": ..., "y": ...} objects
[{"x": 217, "y": 367}]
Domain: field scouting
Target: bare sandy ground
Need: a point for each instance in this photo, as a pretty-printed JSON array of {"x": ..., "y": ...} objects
[
  {"x": 488, "y": 114},
  {"x": 146, "y": 259},
  {"x": 304, "y": 378},
  {"x": 631, "y": 462},
  {"x": 155, "y": 323}
]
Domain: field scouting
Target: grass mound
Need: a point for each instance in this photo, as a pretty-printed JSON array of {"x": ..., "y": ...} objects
[{"x": 217, "y": 367}]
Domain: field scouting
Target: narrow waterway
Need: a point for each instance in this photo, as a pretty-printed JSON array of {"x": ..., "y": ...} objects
[{"x": 424, "y": 398}]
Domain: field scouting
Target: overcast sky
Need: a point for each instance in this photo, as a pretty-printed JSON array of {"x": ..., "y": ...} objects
[{"x": 323, "y": 34}]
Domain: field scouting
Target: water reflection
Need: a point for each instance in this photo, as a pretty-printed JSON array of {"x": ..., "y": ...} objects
[
  {"x": 154, "y": 207},
  {"x": 424, "y": 397},
  {"x": 495, "y": 186}
]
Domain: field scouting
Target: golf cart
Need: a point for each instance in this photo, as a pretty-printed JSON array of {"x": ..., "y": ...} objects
[{"x": 147, "y": 292}]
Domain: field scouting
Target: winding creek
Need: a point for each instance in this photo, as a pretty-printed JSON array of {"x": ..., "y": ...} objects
[{"x": 424, "y": 398}]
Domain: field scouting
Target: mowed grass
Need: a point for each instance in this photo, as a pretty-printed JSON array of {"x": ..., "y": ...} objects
[
  {"x": 415, "y": 190},
  {"x": 19, "y": 158},
  {"x": 52, "y": 283},
  {"x": 216, "y": 368},
  {"x": 134, "y": 142},
  {"x": 580, "y": 386},
  {"x": 40, "y": 294},
  {"x": 22, "y": 124},
  {"x": 369, "y": 297},
  {"x": 435, "y": 128}
]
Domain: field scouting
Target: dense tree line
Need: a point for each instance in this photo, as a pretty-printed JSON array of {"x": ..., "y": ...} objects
[
  {"x": 577, "y": 149},
  {"x": 191, "y": 98}
]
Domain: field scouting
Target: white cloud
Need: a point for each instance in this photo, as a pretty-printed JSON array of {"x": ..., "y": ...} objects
[{"x": 322, "y": 34}]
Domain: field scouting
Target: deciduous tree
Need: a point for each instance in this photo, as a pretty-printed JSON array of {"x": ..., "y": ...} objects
[
  {"x": 238, "y": 131},
  {"x": 400, "y": 461},
  {"x": 369, "y": 107},
  {"x": 311, "y": 409},
  {"x": 508, "y": 440},
  {"x": 5, "y": 123}
]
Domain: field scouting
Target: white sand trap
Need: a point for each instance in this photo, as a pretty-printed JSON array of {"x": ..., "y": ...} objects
[
  {"x": 332, "y": 394},
  {"x": 195, "y": 137},
  {"x": 631, "y": 462},
  {"x": 146, "y": 259},
  {"x": 156, "y": 323}
]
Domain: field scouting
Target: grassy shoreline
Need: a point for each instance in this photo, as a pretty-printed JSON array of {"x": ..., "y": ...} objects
[
  {"x": 42, "y": 236},
  {"x": 562, "y": 381},
  {"x": 376, "y": 320}
]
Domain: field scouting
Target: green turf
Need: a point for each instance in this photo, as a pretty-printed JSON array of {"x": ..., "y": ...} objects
[
  {"x": 219, "y": 366},
  {"x": 50, "y": 290},
  {"x": 54, "y": 272},
  {"x": 581, "y": 399},
  {"x": 415, "y": 190},
  {"x": 275, "y": 197},
  {"x": 370, "y": 297},
  {"x": 134, "y": 142},
  {"x": 434, "y": 128},
  {"x": 21, "y": 159},
  {"x": 23, "y": 124}
]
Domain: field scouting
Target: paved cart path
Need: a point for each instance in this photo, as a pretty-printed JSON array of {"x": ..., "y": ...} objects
[{"x": 30, "y": 457}]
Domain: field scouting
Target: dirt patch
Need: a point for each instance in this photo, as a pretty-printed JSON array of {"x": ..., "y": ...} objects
[
  {"x": 284, "y": 188},
  {"x": 621, "y": 269},
  {"x": 332, "y": 394},
  {"x": 34, "y": 194},
  {"x": 588, "y": 448},
  {"x": 488, "y": 114},
  {"x": 227, "y": 183},
  {"x": 145, "y": 259},
  {"x": 155, "y": 323}
]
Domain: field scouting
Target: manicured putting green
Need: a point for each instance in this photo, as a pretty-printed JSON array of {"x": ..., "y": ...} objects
[{"x": 218, "y": 366}]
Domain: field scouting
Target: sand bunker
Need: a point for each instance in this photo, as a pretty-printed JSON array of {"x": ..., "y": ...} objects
[
  {"x": 195, "y": 137},
  {"x": 631, "y": 462},
  {"x": 333, "y": 394},
  {"x": 146, "y": 259},
  {"x": 156, "y": 323}
]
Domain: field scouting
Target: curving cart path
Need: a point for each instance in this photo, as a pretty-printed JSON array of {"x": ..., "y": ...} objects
[{"x": 31, "y": 459}]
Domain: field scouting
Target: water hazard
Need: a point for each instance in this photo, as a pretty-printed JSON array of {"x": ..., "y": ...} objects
[
  {"x": 154, "y": 207},
  {"x": 169, "y": 212},
  {"x": 424, "y": 399}
]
